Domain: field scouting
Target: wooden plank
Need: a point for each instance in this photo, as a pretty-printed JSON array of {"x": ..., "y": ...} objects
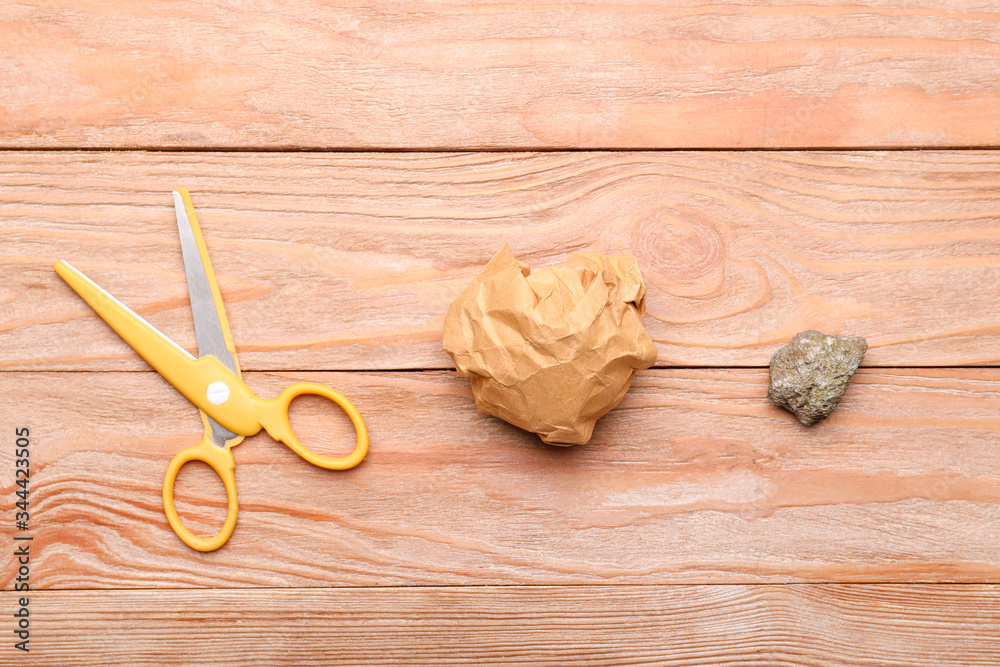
[
  {"x": 801, "y": 626},
  {"x": 610, "y": 74},
  {"x": 693, "y": 479},
  {"x": 349, "y": 261}
]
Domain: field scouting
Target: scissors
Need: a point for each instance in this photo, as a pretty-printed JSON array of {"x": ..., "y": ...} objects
[{"x": 229, "y": 409}]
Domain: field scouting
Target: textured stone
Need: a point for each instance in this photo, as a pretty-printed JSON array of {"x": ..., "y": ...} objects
[{"x": 809, "y": 375}]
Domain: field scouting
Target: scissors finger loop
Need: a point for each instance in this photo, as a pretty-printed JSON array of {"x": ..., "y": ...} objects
[
  {"x": 221, "y": 460},
  {"x": 275, "y": 421}
]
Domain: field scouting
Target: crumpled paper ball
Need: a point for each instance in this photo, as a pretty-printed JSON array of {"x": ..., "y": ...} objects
[{"x": 554, "y": 351}]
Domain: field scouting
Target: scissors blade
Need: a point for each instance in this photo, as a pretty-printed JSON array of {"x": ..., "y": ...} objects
[
  {"x": 211, "y": 327},
  {"x": 151, "y": 344}
]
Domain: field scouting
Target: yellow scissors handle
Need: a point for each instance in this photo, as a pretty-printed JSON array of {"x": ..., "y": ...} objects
[
  {"x": 272, "y": 414},
  {"x": 221, "y": 460}
]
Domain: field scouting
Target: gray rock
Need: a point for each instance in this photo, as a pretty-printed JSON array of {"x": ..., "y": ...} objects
[{"x": 809, "y": 375}]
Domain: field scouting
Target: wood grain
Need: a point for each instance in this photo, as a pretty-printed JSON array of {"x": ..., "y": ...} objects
[
  {"x": 610, "y": 74},
  {"x": 800, "y": 626},
  {"x": 695, "y": 478},
  {"x": 462, "y": 540},
  {"x": 349, "y": 261}
]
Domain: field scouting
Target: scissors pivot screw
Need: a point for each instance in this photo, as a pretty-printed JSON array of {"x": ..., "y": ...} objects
[{"x": 217, "y": 393}]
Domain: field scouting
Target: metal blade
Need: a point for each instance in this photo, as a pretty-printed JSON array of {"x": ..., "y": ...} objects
[{"x": 207, "y": 325}]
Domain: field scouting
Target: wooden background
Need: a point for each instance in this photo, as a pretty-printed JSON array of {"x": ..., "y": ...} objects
[{"x": 775, "y": 167}]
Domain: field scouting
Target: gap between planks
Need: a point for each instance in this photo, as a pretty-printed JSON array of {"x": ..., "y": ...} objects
[{"x": 507, "y": 149}]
